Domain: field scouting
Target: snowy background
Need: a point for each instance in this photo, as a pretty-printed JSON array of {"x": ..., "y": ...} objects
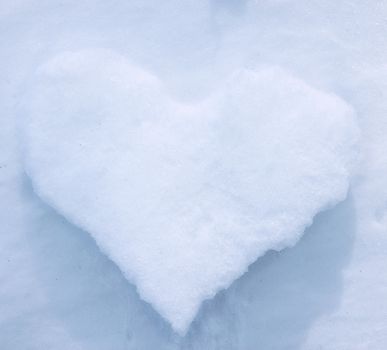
[{"x": 58, "y": 290}]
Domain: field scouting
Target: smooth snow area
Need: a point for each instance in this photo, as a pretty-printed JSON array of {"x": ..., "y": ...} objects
[
  {"x": 203, "y": 88},
  {"x": 184, "y": 197}
]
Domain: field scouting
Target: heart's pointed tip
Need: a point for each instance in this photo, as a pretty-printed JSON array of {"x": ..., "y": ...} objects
[
  {"x": 181, "y": 328},
  {"x": 179, "y": 313}
]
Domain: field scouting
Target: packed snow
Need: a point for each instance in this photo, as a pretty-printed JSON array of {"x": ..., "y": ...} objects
[
  {"x": 183, "y": 197},
  {"x": 214, "y": 165}
]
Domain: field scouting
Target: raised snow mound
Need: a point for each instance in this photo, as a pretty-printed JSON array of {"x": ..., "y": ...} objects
[{"x": 183, "y": 197}]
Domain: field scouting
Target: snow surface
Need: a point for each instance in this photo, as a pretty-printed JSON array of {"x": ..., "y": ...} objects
[
  {"x": 183, "y": 197},
  {"x": 58, "y": 291}
]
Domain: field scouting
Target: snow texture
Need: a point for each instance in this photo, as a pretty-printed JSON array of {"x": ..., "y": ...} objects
[
  {"x": 58, "y": 291},
  {"x": 184, "y": 196}
]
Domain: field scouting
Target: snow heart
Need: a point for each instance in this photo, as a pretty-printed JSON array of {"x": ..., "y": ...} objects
[{"x": 183, "y": 197}]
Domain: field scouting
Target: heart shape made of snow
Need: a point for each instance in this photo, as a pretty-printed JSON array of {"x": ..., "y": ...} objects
[{"x": 183, "y": 197}]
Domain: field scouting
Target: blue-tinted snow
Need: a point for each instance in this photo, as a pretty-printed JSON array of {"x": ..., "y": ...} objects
[{"x": 53, "y": 294}]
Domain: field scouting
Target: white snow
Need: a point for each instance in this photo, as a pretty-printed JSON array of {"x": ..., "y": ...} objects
[
  {"x": 183, "y": 197},
  {"x": 327, "y": 292}
]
